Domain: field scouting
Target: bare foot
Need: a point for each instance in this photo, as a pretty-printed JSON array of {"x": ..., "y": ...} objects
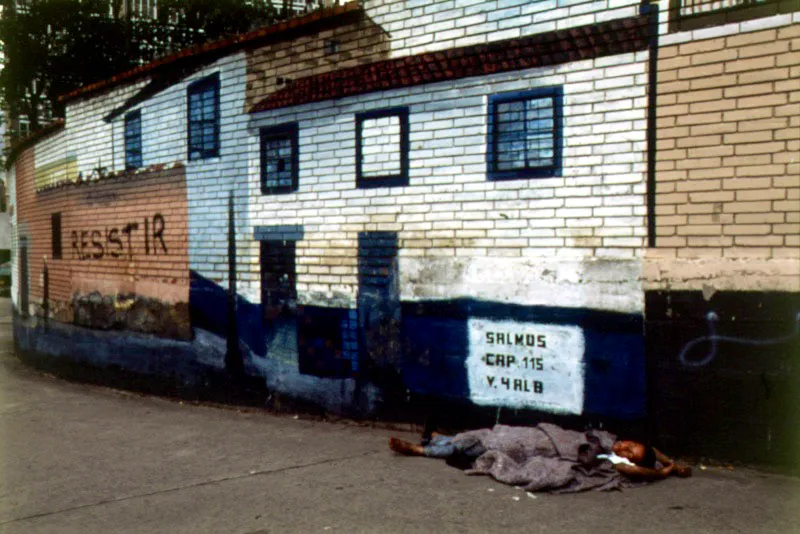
[{"x": 402, "y": 446}]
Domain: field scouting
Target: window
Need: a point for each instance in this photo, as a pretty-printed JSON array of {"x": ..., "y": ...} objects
[
  {"x": 133, "y": 140},
  {"x": 332, "y": 46},
  {"x": 279, "y": 159},
  {"x": 23, "y": 127},
  {"x": 694, "y": 14},
  {"x": 382, "y": 148},
  {"x": 55, "y": 227},
  {"x": 525, "y": 134},
  {"x": 203, "y": 124}
]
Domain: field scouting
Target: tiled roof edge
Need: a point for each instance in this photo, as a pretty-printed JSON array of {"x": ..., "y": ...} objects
[
  {"x": 113, "y": 175},
  {"x": 540, "y": 50},
  {"x": 228, "y": 43}
]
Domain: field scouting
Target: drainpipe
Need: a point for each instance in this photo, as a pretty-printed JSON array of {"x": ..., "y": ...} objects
[
  {"x": 234, "y": 364},
  {"x": 651, "y": 9},
  {"x": 46, "y": 298}
]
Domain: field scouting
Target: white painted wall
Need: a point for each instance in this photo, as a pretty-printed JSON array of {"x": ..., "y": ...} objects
[
  {"x": 11, "y": 185},
  {"x": 573, "y": 241},
  {"x": 164, "y": 141},
  {"x": 87, "y": 135},
  {"x": 416, "y": 26},
  {"x": 5, "y": 231}
]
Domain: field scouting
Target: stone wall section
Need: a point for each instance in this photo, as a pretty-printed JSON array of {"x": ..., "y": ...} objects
[{"x": 728, "y": 159}]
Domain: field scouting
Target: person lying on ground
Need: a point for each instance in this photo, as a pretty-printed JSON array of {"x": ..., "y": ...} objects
[
  {"x": 638, "y": 462},
  {"x": 548, "y": 458}
]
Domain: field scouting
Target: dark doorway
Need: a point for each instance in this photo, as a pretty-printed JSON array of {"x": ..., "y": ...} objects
[
  {"x": 279, "y": 298},
  {"x": 24, "y": 285}
]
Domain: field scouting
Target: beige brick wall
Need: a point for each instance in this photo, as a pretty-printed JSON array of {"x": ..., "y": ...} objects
[
  {"x": 359, "y": 43},
  {"x": 728, "y": 159}
]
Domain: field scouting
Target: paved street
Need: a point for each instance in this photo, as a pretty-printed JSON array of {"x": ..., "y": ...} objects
[{"x": 77, "y": 458}]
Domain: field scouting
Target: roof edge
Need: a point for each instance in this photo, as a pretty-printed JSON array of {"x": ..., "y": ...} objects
[
  {"x": 225, "y": 44},
  {"x": 615, "y": 36},
  {"x": 32, "y": 139}
]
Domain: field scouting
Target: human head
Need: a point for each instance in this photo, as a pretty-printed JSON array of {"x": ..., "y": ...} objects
[{"x": 635, "y": 452}]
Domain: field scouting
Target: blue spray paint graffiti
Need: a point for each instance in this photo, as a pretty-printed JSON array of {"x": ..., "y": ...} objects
[{"x": 711, "y": 321}]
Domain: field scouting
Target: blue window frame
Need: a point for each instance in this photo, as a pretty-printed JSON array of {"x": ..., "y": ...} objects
[
  {"x": 382, "y": 148},
  {"x": 279, "y": 159},
  {"x": 524, "y": 136},
  {"x": 133, "y": 140},
  {"x": 203, "y": 118}
]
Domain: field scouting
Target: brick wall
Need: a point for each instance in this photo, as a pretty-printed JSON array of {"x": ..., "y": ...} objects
[
  {"x": 528, "y": 251},
  {"x": 728, "y": 166},
  {"x": 461, "y": 234},
  {"x": 124, "y": 235},
  {"x": 416, "y": 26},
  {"x": 164, "y": 142},
  {"x": 276, "y": 65}
]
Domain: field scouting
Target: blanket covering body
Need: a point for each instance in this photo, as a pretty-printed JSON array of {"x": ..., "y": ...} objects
[{"x": 543, "y": 458}]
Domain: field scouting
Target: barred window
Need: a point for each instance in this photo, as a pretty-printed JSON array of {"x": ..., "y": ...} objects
[
  {"x": 279, "y": 159},
  {"x": 203, "y": 123},
  {"x": 133, "y": 140},
  {"x": 525, "y": 134}
]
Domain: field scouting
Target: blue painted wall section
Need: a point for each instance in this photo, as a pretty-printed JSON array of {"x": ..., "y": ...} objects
[
  {"x": 327, "y": 342},
  {"x": 379, "y": 310},
  {"x": 436, "y": 343},
  {"x": 208, "y": 309},
  {"x": 422, "y": 346}
]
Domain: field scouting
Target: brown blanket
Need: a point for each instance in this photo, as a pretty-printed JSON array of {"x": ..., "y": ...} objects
[{"x": 544, "y": 458}]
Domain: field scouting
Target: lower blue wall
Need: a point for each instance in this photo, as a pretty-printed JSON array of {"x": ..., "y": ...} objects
[
  {"x": 435, "y": 343},
  {"x": 324, "y": 350}
]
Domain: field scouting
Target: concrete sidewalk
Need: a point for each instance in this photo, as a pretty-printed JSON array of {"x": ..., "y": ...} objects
[{"x": 76, "y": 458}]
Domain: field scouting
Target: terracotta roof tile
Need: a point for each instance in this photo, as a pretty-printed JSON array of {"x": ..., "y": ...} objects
[{"x": 552, "y": 48}]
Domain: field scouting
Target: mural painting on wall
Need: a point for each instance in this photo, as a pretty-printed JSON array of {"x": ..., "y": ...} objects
[
  {"x": 526, "y": 365},
  {"x": 119, "y": 241}
]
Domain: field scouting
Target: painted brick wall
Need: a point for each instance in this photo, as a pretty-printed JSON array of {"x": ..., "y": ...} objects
[
  {"x": 722, "y": 284},
  {"x": 416, "y": 26},
  {"x": 273, "y": 66},
  {"x": 94, "y": 256},
  {"x": 513, "y": 254},
  {"x": 164, "y": 141},
  {"x": 87, "y": 135},
  {"x": 728, "y": 170},
  {"x": 461, "y": 234},
  {"x": 11, "y": 182}
]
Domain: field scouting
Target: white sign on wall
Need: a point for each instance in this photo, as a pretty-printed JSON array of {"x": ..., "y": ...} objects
[{"x": 526, "y": 365}]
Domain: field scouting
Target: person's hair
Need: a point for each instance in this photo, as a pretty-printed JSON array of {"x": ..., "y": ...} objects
[{"x": 649, "y": 459}]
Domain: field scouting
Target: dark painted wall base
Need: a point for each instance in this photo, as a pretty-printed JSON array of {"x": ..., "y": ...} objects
[
  {"x": 195, "y": 370},
  {"x": 724, "y": 374}
]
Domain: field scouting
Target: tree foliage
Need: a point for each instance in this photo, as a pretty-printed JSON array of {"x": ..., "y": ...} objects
[{"x": 52, "y": 47}]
